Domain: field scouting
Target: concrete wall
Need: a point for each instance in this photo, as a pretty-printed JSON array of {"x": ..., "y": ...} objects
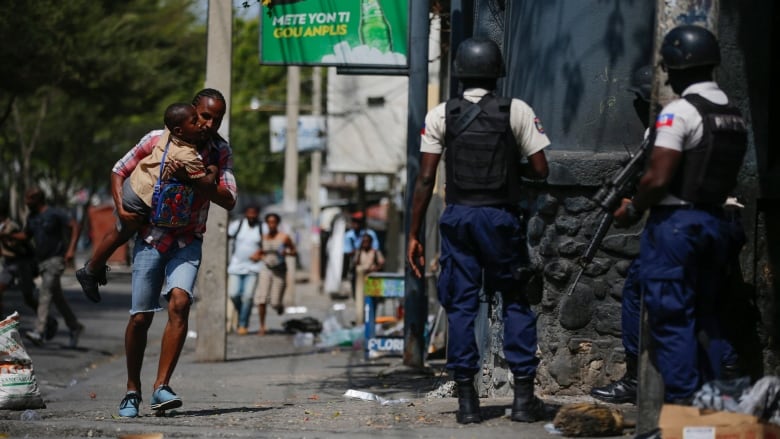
[{"x": 746, "y": 46}]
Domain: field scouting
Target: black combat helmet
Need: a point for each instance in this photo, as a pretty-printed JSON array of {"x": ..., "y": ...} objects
[
  {"x": 689, "y": 46},
  {"x": 478, "y": 57},
  {"x": 642, "y": 82}
]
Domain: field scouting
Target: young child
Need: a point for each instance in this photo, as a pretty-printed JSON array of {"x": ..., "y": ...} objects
[
  {"x": 367, "y": 260},
  {"x": 180, "y": 136}
]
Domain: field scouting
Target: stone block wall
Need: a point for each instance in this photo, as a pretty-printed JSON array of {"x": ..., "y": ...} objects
[
  {"x": 579, "y": 332},
  {"x": 579, "y": 329}
]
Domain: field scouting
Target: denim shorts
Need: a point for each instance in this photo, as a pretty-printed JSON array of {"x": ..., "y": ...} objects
[{"x": 178, "y": 268}]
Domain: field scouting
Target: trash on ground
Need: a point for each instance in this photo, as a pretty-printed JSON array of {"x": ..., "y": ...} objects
[
  {"x": 295, "y": 310},
  {"x": 333, "y": 334},
  {"x": 305, "y": 324},
  {"x": 303, "y": 339},
  {"x": 142, "y": 436},
  {"x": 30, "y": 415},
  {"x": 721, "y": 394},
  {"x": 677, "y": 421},
  {"x": 762, "y": 400},
  {"x": 366, "y": 396},
  {"x": 588, "y": 420},
  {"x": 446, "y": 390},
  {"x": 192, "y": 334},
  {"x": 18, "y": 386},
  {"x": 550, "y": 428}
]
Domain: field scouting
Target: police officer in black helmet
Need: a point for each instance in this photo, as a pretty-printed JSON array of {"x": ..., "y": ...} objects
[
  {"x": 700, "y": 143},
  {"x": 482, "y": 237}
]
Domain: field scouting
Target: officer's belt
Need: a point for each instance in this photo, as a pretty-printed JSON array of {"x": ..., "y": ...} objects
[
  {"x": 709, "y": 208},
  {"x": 505, "y": 207}
]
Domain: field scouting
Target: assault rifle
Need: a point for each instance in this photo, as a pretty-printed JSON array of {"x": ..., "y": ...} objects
[{"x": 609, "y": 197}]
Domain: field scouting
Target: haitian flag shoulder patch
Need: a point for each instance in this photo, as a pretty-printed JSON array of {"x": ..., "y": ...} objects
[{"x": 664, "y": 120}]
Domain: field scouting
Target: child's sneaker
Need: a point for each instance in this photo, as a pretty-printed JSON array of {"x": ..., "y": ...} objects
[
  {"x": 128, "y": 408},
  {"x": 91, "y": 280},
  {"x": 164, "y": 398}
]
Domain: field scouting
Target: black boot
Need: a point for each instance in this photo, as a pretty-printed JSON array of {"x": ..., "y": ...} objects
[
  {"x": 526, "y": 407},
  {"x": 468, "y": 403},
  {"x": 622, "y": 390},
  {"x": 730, "y": 371}
]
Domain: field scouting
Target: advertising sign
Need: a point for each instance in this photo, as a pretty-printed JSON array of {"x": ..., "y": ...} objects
[
  {"x": 334, "y": 33},
  {"x": 384, "y": 285},
  {"x": 380, "y": 346},
  {"x": 311, "y": 133}
]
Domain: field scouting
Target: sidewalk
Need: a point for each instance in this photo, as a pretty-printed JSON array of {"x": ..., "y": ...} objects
[{"x": 267, "y": 388}]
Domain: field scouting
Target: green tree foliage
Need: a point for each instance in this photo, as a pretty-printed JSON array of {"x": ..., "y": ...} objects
[
  {"x": 82, "y": 80},
  {"x": 259, "y": 171}
]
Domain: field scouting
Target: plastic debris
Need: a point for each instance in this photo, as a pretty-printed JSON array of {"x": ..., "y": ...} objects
[
  {"x": 303, "y": 339},
  {"x": 333, "y": 334},
  {"x": 550, "y": 428},
  {"x": 366, "y": 396},
  {"x": 30, "y": 415}
]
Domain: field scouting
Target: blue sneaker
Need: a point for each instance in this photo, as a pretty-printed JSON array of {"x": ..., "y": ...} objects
[
  {"x": 128, "y": 408},
  {"x": 164, "y": 398}
]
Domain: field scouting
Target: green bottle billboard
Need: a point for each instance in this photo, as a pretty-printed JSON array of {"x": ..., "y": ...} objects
[{"x": 334, "y": 32}]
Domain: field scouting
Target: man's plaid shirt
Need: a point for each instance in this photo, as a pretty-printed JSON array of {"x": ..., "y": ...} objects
[{"x": 217, "y": 151}]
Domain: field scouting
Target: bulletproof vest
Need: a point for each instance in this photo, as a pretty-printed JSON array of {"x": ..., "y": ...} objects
[
  {"x": 482, "y": 162},
  {"x": 708, "y": 172}
]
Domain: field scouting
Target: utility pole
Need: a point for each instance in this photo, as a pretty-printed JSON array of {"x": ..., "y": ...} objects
[
  {"x": 290, "y": 188},
  {"x": 314, "y": 191},
  {"x": 650, "y": 395},
  {"x": 415, "y": 297},
  {"x": 211, "y": 344}
]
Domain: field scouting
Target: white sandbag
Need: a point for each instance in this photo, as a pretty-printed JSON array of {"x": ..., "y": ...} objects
[{"x": 18, "y": 386}]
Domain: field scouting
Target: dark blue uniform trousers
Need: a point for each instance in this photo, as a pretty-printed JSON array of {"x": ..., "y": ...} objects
[
  {"x": 632, "y": 295},
  {"x": 683, "y": 254},
  {"x": 484, "y": 243},
  {"x": 630, "y": 310}
]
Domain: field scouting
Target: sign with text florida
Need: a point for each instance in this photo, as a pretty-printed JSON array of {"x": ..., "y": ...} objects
[{"x": 334, "y": 32}]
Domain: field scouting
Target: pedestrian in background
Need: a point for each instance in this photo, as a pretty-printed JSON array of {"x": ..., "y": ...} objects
[
  {"x": 482, "y": 234},
  {"x": 166, "y": 260},
  {"x": 367, "y": 260},
  {"x": 48, "y": 227},
  {"x": 700, "y": 143},
  {"x": 352, "y": 240},
  {"x": 19, "y": 267},
  {"x": 273, "y": 275},
  {"x": 245, "y": 264}
]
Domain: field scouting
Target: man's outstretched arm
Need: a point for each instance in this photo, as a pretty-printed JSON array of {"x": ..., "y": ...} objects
[{"x": 423, "y": 190}]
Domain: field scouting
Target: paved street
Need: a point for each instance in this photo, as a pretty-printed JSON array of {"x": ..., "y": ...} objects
[{"x": 267, "y": 388}]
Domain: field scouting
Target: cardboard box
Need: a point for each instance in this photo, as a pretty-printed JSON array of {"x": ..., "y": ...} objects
[{"x": 683, "y": 422}]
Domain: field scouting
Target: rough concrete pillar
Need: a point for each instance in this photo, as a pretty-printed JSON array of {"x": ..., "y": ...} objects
[
  {"x": 211, "y": 287},
  {"x": 314, "y": 195}
]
